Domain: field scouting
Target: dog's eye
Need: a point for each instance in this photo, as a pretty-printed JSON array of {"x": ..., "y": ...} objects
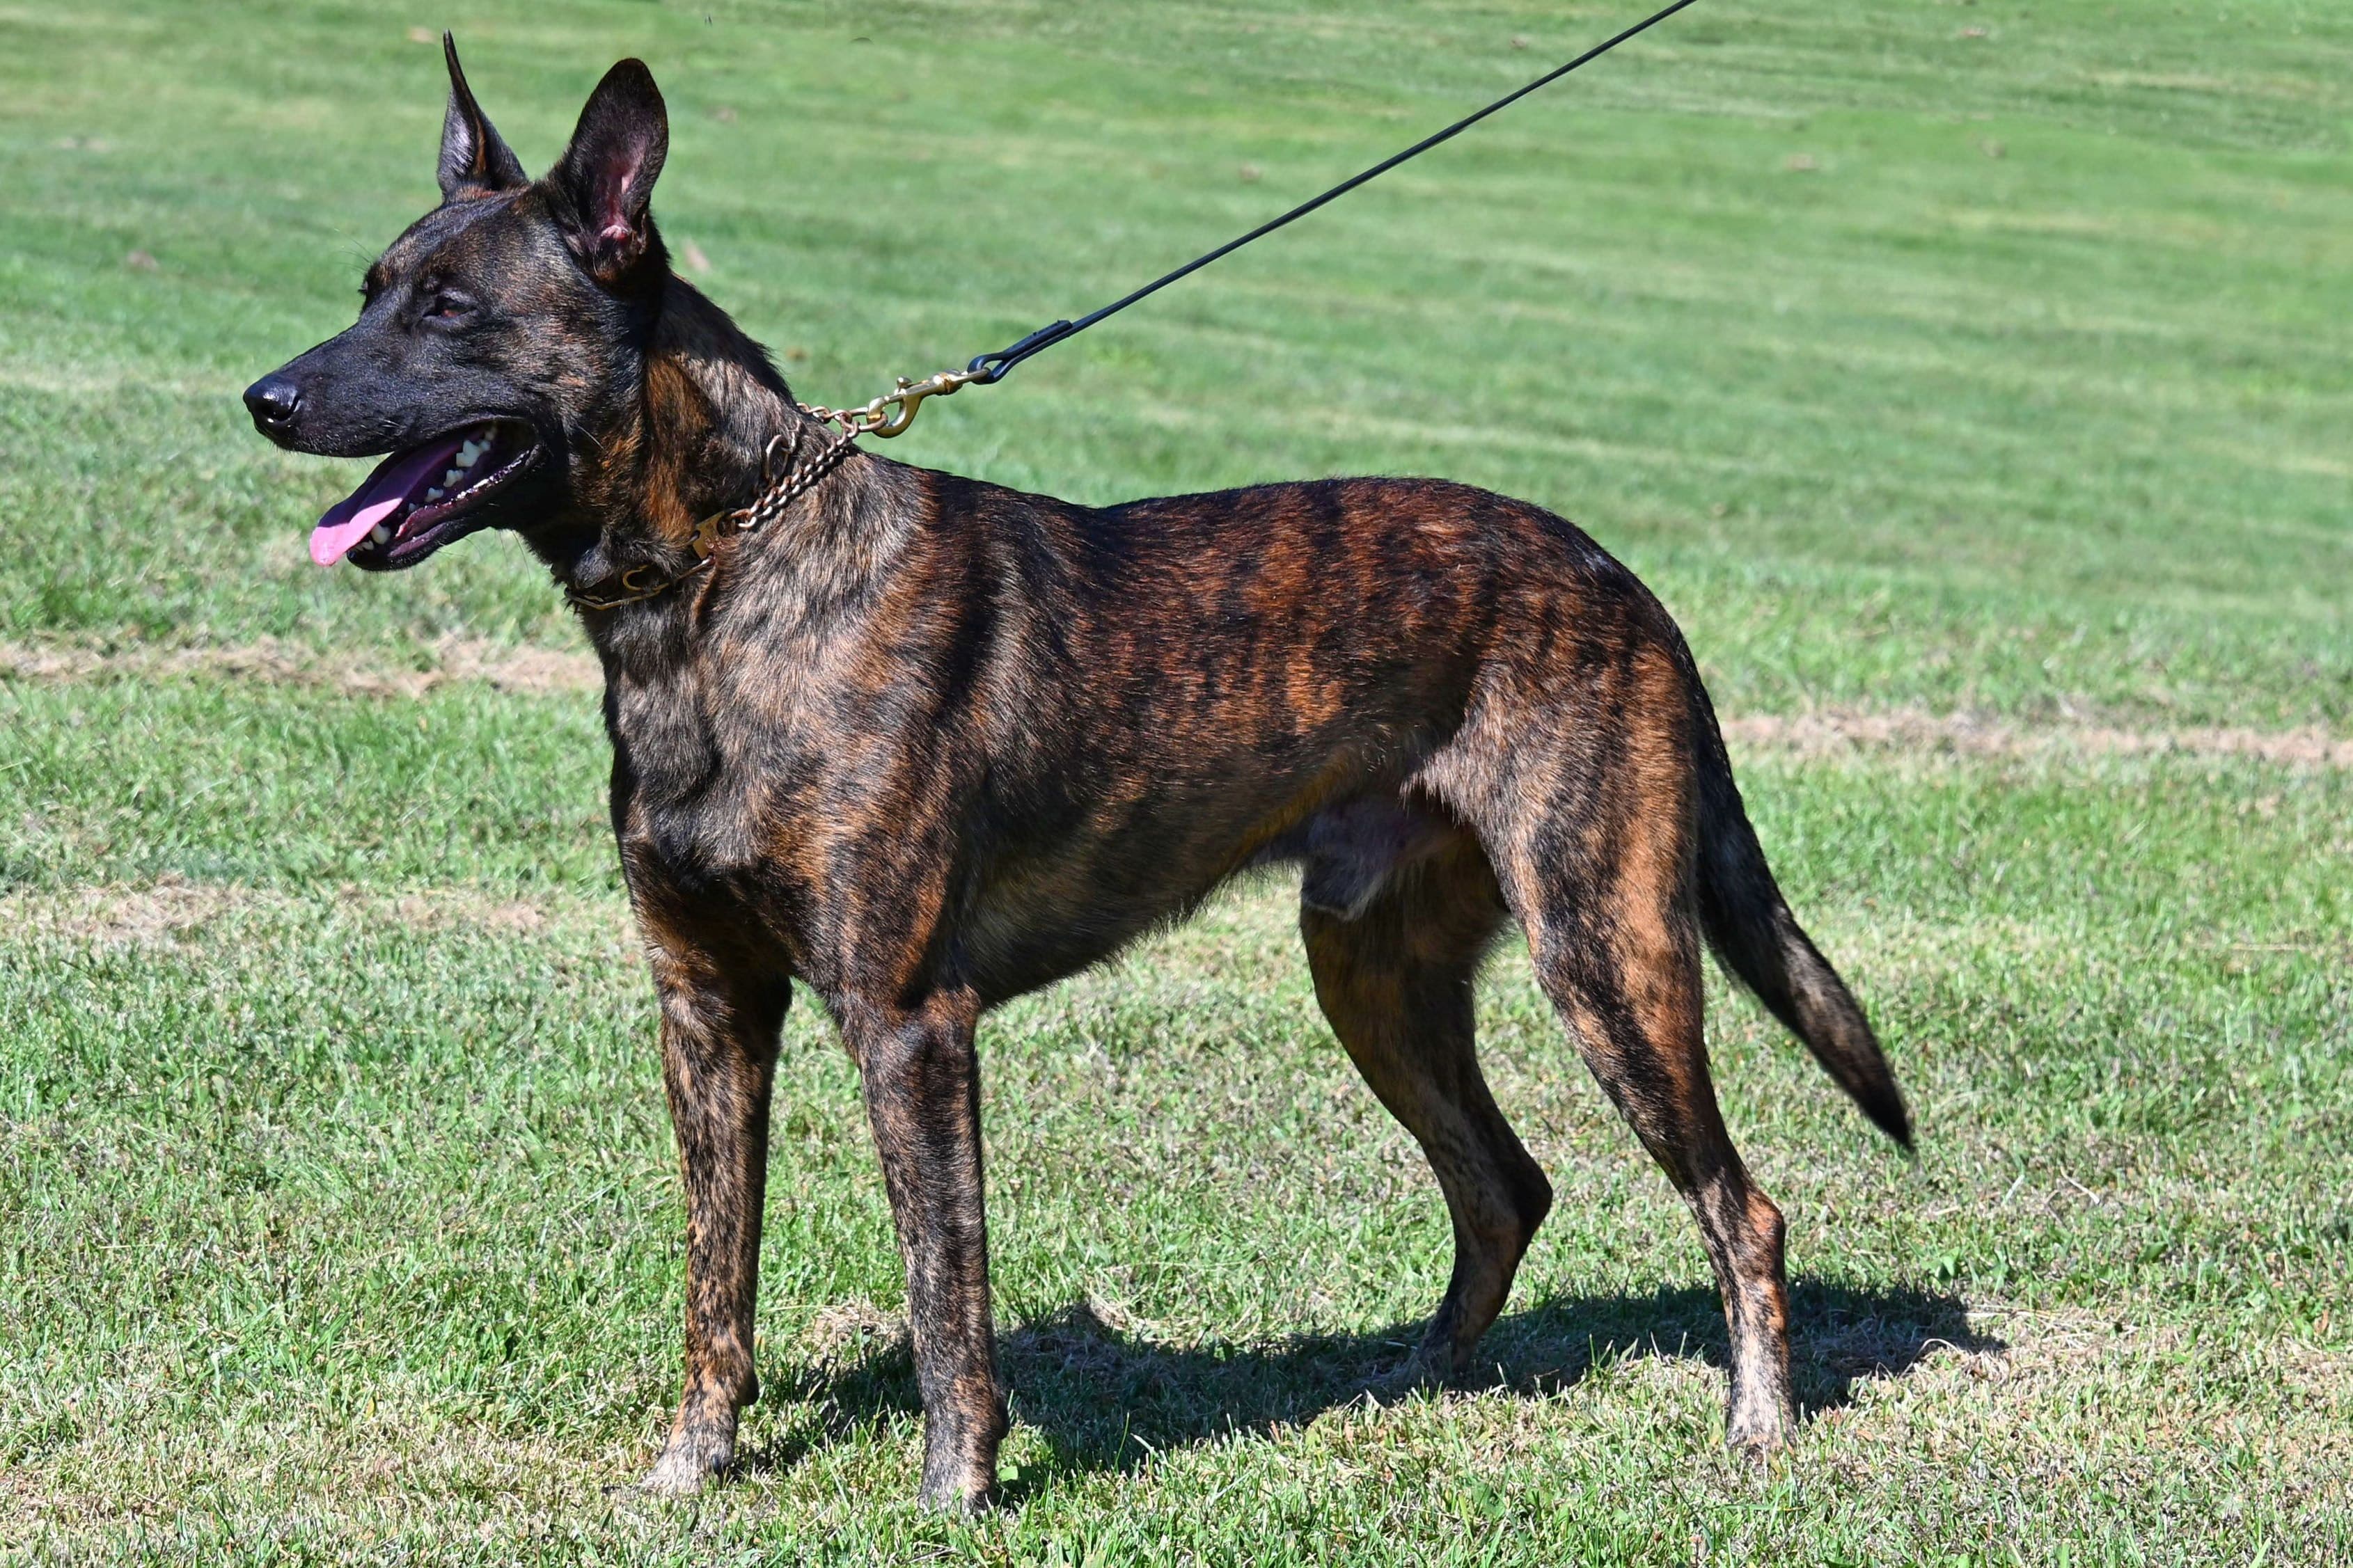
[{"x": 449, "y": 305}]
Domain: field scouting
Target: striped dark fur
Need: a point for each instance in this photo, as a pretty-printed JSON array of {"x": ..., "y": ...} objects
[{"x": 928, "y": 744}]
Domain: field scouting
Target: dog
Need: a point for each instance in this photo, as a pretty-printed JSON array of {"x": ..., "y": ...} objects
[{"x": 924, "y": 744}]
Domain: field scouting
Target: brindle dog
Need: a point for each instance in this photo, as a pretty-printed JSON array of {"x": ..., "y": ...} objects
[{"x": 926, "y": 744}]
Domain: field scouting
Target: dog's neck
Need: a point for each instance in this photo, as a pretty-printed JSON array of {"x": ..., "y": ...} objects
[
  {"x": 695, "y": 440},
  {"x": 710, "y": 405}
]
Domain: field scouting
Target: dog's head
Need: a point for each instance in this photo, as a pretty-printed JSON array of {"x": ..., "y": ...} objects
[{"x": 496, "y": 340}]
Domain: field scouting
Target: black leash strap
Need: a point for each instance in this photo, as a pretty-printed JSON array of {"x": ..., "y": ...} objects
[
  {"x": 991, "y": 368},
  {"x": 895, "y": 410}
]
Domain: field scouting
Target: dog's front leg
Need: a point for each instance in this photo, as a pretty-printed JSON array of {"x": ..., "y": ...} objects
[
  {"x": 719, "y": 1035},
  {"x": 922, "y": 1078}
]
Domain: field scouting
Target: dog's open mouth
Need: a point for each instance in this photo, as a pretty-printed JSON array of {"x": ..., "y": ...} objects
[{"x": 420, "y": 499}]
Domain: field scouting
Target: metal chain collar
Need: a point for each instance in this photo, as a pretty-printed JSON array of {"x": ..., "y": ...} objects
[{"x": 886, "y": 415}]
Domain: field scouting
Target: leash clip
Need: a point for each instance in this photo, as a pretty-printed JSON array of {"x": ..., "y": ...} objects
[{"x": 894, "y": 410}]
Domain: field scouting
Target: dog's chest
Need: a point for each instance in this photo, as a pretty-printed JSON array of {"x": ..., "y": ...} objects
[{"x": 721, "y": 775}]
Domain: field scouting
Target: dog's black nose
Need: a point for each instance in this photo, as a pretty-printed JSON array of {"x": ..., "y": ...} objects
[{"x": 273, "y": 401}]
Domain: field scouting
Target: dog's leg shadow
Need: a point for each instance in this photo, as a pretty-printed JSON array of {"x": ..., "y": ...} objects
[{"x": 1108, "y": 1398}]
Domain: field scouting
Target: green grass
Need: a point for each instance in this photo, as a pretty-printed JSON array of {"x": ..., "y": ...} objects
[{"x": 2000, "y": 375}]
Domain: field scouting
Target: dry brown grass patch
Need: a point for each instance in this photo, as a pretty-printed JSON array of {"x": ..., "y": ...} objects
[
  {"x": 171, "y": 911},
  {"x": 1832, "y": 730},
  {"x": 501, "y": 667},
  {"x": 157, "y": 915}
]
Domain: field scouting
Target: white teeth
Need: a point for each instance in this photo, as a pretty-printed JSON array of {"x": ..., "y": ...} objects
[
  {"x": 453, "y": 476},
  {"x": 436, "y": 493},
  {"x": 379, "y": 534},
  {"x": 469, "y": 455}
]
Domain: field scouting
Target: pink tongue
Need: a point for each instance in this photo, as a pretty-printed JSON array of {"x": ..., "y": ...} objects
[{"x": 349, "y": 520}]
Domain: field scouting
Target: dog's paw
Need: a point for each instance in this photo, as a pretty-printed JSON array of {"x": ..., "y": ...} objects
[
  {"x": 1431, "y": 1369},
  {"x": 671, "y": 1478},
  {"x": 956, "y": 1503},
  {"x": 1760, "y": 1418},
  {"x": 959, "y": 1486},
  {"x": 1760, "y": 1435},
  {"x": 690, "y": 1461}
]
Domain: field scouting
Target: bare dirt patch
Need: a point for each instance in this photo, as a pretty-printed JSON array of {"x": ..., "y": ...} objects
[
  {"x": 440, "y": 908},
  {"x": 1828, "y": 731},
  {"x": 451, "y": 658},
  {"x": 522, "y": 669}
]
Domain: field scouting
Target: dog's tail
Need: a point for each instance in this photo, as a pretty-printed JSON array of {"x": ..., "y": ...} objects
[{"x": 1750, "y": 928}]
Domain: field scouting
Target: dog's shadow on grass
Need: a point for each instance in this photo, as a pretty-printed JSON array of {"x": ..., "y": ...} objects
[{"x": 1109, "y": 1398}]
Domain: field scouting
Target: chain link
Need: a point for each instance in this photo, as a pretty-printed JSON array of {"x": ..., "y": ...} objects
[{"x": 886, "y": 415}]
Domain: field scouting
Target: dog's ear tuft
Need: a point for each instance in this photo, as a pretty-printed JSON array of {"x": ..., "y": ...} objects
[
  {"x": 475, "y": 161},
  {"x": 608, "y": 173}
]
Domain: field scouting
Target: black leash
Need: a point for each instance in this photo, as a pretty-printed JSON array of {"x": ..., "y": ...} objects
[
  {"x": 989, "y": 369},
  {"x": 895, "y": 411}
]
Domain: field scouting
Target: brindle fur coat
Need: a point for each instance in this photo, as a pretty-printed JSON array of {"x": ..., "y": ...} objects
[{"x": 927, "y": 743}]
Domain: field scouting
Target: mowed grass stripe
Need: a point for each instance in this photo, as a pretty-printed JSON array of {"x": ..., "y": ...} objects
[
  {"x": 2172, "y": 1127},
  {"x": 287, "y": 782}
]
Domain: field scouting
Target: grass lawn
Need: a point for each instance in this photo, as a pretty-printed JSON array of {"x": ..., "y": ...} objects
[{"x": 1972, "y": 380}]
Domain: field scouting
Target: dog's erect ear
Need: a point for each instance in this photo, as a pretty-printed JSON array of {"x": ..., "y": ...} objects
[
  {"x": 475, "y": 161},
  {"x": 608, "y": 173}
]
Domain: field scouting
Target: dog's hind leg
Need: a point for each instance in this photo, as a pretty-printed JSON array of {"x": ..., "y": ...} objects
[
  {"x": 1396, "y": 981},
  {"x": 1601, "y": 876},
  {"x": 720, "y": 1023}
]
